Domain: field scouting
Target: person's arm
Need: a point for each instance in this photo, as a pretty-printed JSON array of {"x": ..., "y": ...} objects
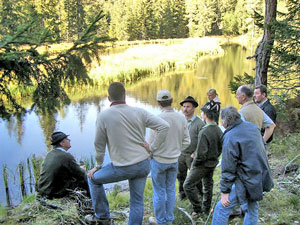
[
  {"x": 201, "y": 150},
  {"x": 160, "y": 127},
  {"x": 269, "y": 131},
  {"x": 269, "y": 126},
  {"x": 100, "y": 141},
  {"x": 230, "y": 156},
  {"x": 186, "y": 138},
  {"x": 74, "y": 168}
]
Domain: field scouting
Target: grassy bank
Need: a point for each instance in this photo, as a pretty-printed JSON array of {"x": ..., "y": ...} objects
[
  {"x": 280, "y": 206},
  {"x": 154, "y": 59}
]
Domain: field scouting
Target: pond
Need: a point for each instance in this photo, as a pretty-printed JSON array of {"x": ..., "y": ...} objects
[{"x": 21, "y": 138}]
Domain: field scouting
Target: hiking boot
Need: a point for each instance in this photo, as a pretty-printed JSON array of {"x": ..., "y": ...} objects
[
  {"x": 153, "y": 221},
  {"x": 92, "y": 219}
]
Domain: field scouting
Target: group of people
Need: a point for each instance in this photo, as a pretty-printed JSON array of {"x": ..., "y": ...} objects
[{"x": 182, "y": 147}]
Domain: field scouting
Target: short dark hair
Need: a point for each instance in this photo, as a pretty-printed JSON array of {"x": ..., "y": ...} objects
[
  {"x": 116, "y": 91},
  {"x": 246, "y": 90},
  {"x": 210, "y": 114},
  {"x": 166, "y": 103},
  {"x": 57, "y": 145},
  {"x": 262, "y": 88}
]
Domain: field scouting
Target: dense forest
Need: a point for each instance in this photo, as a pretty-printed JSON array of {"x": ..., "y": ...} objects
[{"x": 133, "y": 19}]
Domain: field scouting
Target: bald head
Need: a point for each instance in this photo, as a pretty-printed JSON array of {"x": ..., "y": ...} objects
[{"x": 244, "y": 94}]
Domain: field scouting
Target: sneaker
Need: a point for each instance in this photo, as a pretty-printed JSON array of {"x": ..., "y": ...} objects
[
  {"x": 92, "y": 219},
  {"x": 153, "y": 221}
]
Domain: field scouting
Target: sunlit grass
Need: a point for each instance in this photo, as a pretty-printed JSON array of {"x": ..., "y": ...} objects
[{"x": 154, "y": 59}]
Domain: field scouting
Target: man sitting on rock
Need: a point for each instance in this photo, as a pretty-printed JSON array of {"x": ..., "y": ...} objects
[{"x": 60, "y": 172}]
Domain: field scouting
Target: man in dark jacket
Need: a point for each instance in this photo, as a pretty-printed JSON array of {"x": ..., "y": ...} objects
[
  {"x": 260, "y": 97},
  {"x": 205, "y": 160},
  {"x": 60, "y": 172},
  {"x": 185, "y": 160},
  {"x": 245, "y": 171}
]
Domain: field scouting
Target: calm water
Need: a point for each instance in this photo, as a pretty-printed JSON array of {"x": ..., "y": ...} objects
[{"x": 22, "y": 137}]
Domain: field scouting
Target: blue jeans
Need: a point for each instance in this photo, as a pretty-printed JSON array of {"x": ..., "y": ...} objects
[
  {"x": 164, "y": 191},
  {"x": 135, "y": 174},
  {"x": 221, "y": 213}
]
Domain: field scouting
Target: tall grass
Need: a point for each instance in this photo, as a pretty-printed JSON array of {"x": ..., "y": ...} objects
[
  {"x": 5, "y": 179},
  {"x": 21, "y": 177},
  {"x": 36, "y": 164},
  {"x": 30, "y": 174}
]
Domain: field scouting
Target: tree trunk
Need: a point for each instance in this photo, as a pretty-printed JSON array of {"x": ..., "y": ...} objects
[{"x": 264, "y": 48}]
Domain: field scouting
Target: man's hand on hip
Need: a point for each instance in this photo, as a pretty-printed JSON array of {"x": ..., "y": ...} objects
[
  {"x": 225, "y": 199},
  {"x": 91, "y": 172}
]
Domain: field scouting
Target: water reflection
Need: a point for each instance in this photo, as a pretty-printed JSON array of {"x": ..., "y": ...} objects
[
  {"x": 212, "y": 72},
  {"x": 21, "y": 137}
]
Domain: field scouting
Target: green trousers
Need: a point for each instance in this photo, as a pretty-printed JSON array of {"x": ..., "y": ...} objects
[
  {"x": 197, "y": 175},
  {"x": 184, "y": 164}
]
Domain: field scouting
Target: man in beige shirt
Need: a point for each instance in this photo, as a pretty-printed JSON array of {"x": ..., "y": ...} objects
[
  {"x": 164, "y": 164},
  {"x": 252, "y": 113}
]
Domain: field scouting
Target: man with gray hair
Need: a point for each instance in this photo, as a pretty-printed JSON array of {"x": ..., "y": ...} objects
[
  {"x": 245, "y": 172},
  {"x": 252, "y": 113}
]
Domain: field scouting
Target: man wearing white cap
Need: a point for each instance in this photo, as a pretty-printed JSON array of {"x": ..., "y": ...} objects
[{"x": 164, "y": 163}]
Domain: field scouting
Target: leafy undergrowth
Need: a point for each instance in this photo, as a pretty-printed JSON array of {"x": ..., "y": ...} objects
[{"x": 281, "y": 206}]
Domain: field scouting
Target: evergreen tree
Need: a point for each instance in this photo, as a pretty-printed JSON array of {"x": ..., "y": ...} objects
[
  {"x": 8, "y": 17},
  {"x": 45, "y": 73},
  {"x": 50, "y": 13},
  {"x": 285, "y": 60},
  {"x": 119, "y": 12}
]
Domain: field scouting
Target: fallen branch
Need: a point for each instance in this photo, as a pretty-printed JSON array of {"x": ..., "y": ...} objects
[
  {"x": 289, "y": 164},
  {"x": 49, "y": 205},
  {"x": 187, "y": 215}
]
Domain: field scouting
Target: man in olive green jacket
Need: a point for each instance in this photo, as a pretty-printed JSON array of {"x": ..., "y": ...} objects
[
  {"x": 185, "y": 160},
  {"x": 60, "y": 172}
]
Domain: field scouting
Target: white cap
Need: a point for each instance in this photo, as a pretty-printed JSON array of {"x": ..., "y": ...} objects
[{"x": 163, "y": 95}]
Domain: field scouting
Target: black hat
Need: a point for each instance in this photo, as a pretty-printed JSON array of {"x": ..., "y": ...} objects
[
  {"x": 210, "y": 106},
  {"x": 57, "y": 137},
  {"x": 191, "y": 100}
]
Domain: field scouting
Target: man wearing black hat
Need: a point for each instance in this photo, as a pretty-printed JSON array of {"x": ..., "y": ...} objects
[
  {"x": 194, "y": 125},
  {"x": 209, "y": 148},
  {"x": 60, "y": 172}
]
